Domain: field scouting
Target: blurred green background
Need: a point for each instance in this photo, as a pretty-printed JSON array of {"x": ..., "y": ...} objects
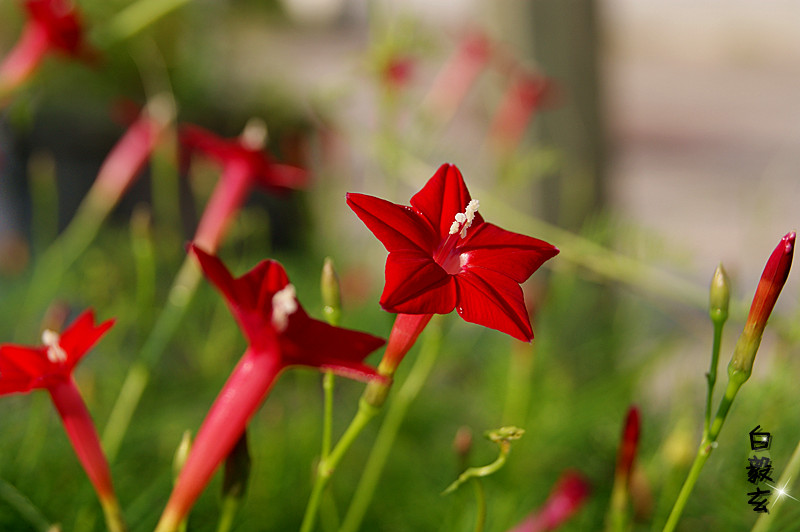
[{"x": 667, "y": 144}]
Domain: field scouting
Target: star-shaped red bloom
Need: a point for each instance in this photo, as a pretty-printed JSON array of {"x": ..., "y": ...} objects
[
  {"x": 50, "y": 366},
  {"x": 249, "y": 153},
  {"x": 52, "y": 26},
  {"x": 442, "y": 255},
  {"x": 24, "y": 368},
  {"x": 281, "y": 334},
  {"x": 268, "y": 312},
  {"x": 244, "y": 165}
]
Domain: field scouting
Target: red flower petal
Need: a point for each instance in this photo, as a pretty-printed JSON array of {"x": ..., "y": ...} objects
[
  {"x": 60, "y": 21},
  {"x": 21, "y": 367},
  {"x": 514, "y": 255},
  {"x": 493, "y": 300},
  {"x": 415, "y": 284},
  {"x": 396, "y": 226},
  {"x": 311, "y": 342},
  {"x": 442, "y": 197},
  {"x": 81, "y": 336}
]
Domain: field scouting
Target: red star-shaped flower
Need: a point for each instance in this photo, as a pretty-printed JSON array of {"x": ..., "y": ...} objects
[
  {"x": 264, "y": 304},
  {"x": 443, "y": 255},
  {"x": 244, "y": 165},
  {"x": 49, "y": 367},
  {"x": 53, "y": 25},
  {"x": 280, "y": 334},
  {"x": 24, "y": 368}
]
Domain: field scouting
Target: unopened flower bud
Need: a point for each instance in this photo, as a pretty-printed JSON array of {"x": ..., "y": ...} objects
[
  {"x": 719, "y": 296},
  {"x": 331, "y": 292},
  {"x": 769, "y": 288}
]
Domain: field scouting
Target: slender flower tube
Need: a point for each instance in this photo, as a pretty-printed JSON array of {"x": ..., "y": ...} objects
[
  {"x": 280, "y": 335},
  {"x": 618, "y": 510},
  {"x": 517, "y": 108},
  {"x": 769, "y": 288},
  {"x": 568, "y": 495},
  {"x": 52, "y": 26},
  {"x": 244, "y": 165},
  {"x": 443, "y": 256},
  {"x": 458, "y": 75},
  {"x": 49, "y": 367},
  {"x": 129, "y": 155}
]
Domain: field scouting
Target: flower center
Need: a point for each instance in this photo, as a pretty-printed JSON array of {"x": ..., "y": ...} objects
[
  {"x": 449, "y": 261},
  {"x": 55, "y": 353},
  {"x": 284, "y": 303}
]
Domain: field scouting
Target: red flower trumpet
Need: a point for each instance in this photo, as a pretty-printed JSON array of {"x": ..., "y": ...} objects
[
  {"x": 49, "y": 367},
  {"x": 443, "y": 256},
  {"x": 281, "y": 335},
  {"x": 244, "y": 165},
  {"x": 565, "y": 500},
  {"x": 769, "y": 288},
  {"x": 53, "y": 26}
]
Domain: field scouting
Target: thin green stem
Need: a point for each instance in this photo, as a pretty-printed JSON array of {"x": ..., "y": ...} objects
[
  {"x": 703, "y": 452},
  {"x": 390, "y": 427},
  {"x": 765, "y": 520},
  {"x": 711, "y": 376},
  {"x": 327, "y": 466},
  {"x": 480, "y": 505},
  {"x": 23, "y": 505},
  {"x": 138, "y": 377},
  {"x": 135, "y": 18},
  {"x": 328, "y": 382}
]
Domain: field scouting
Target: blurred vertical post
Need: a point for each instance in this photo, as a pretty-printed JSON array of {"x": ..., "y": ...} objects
[{"x": 565, "y": 43}]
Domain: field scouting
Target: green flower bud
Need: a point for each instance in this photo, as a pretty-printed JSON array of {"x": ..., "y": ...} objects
[
  {"x": 331, "y": 293},
  {"x": 719, "y": 296}
]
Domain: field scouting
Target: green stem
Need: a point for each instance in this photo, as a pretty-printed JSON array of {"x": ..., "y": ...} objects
[
  {"x": 138, "y": 376},
  {"x": 765, "y": 520},
  {"x": 328, "y": 382},
  {"x": 480, "y": 504},
  {"x": 703, "y": 452},
  {"x": 387, "y": 434},
  {"x": 327, "y": 466},
  {"x": 23, "y": 505},
  {"x": 711, "y": 376},
  {"x": 57, "y": 259},
  {"x": 134, "y": 18}
]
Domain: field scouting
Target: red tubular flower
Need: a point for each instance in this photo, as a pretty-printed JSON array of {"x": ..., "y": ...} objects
[
  {"x": 244, "y": 164},
  {"x": 280, "y": 334},
  {"x": 769, "y": 288},
  {"x": 458, "y": 75},
  {"x": 49, "y": 367},
  {"x": 771, "y": 283},
  {"x": 516, "y": 110},
  {"x": 53, "y": 25},
  {"x": 442, "y": 255},
  {"x": 131, "y": 152},
  {"x": 629, "y": 445},
  {"x": 568, "y": 495}
]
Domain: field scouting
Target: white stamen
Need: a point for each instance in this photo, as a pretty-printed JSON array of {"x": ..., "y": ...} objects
[
  {"x": 472, "y": 208},
  {"x": 465, "y": 218},
  {"x": 284, "y": 303},
  {"x": 55, "y": 353}
]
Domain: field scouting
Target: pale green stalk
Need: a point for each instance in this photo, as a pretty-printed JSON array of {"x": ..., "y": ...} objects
[
  {"x": 703, "y": 452},
  {"x": 387, "y": 434}
]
